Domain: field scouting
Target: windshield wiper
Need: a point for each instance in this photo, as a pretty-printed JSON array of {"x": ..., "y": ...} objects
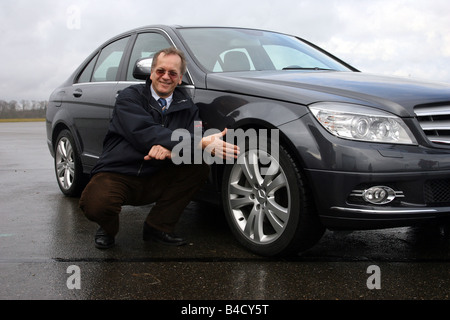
[{"x": 303, "y": 68}]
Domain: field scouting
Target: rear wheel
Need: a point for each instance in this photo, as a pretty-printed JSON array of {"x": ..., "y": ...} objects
[
  {"x": 267, "y": 205},
  {"x": 68, "y": 168}
]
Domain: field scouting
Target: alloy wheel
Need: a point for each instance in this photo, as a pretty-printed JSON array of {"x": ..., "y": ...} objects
[
  {"x": 259, "y": 197},
  {"x": 65, "y": 163}
]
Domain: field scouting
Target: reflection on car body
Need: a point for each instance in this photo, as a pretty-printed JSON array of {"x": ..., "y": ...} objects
[{"x": 356, "y": 151}]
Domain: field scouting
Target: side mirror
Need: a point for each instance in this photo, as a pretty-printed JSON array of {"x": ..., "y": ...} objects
[{"x": 142, "y": 68}]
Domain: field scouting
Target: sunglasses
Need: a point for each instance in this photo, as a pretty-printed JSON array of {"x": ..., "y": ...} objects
[{"x": 161, "y": 72}]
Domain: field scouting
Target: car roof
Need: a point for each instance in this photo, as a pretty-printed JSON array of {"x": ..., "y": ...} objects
[{"x": 174, "y": 27}]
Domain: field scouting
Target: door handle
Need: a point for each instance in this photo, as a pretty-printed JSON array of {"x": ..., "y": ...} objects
[{"x": 78, "y": 93}]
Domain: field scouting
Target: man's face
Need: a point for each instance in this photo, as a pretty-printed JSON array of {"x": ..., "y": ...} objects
[{"x": 166, "y": 75}]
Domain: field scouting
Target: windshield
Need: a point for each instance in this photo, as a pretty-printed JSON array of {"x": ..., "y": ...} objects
[{"x": 225, "y": 50}]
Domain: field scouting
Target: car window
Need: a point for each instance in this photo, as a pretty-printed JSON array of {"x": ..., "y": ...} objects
[
  {"x": 85, "y": 76},
  {"x": 234, "y": 60},
  {"x": 225, "y": 49},
  {"x": 108, "y": 62},
  {"x": 283, "y": 57},
  {"x": 146, "y": 45}
]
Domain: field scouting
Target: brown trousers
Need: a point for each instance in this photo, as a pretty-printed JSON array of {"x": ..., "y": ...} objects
[{"x": 171, "y": 189}]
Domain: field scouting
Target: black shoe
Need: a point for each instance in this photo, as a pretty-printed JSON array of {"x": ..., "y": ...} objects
[
  {"x": 103, "y": 240},
  {"x": 169, "y": 239}
]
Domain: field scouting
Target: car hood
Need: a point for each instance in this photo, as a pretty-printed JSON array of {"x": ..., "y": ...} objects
[{"x": 393, "y": 94}]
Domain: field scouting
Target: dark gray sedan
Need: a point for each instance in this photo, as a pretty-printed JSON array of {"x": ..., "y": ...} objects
[{"x": 336, "y": 148}]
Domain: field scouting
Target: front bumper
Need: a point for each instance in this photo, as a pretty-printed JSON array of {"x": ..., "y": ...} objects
[
  {"x": 337, "y": 170},
  {"x": 425, "y": 196}
]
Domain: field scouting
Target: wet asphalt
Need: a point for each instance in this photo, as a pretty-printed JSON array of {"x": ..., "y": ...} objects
[{"x": 47, "y": 250}]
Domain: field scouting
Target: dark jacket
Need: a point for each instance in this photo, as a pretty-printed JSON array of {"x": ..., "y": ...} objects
[{"x": 137, "y": 124}]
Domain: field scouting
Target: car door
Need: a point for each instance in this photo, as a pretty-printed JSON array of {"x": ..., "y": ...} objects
[{"x": 93, "y": 96}]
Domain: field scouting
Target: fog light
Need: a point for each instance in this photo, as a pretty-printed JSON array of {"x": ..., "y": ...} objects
[{"x": 379, "y": 195}]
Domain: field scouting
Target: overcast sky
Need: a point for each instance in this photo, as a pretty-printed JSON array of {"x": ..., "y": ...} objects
[{"x": 43, "y": 41}]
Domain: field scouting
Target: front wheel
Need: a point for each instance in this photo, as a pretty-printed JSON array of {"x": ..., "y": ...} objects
[
  {"x": 68, "y": 168},
  {"x": 267, "y": 205}
]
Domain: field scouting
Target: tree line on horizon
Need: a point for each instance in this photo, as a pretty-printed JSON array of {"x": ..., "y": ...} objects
[{"x": 22, "y": 109}]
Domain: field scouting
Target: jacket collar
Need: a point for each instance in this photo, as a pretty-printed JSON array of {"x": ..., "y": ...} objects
[{"x": 178, "y": 96}]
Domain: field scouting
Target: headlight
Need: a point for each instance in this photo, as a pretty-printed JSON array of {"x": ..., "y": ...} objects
[{"x": 357, "y": 122}]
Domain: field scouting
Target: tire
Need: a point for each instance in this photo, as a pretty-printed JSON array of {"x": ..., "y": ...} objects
[
  {"x": 68, "y": 168},
  {"x": 267, "y": 206}
]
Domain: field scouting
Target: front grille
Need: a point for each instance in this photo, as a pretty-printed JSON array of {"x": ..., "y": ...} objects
[
  {"x": 437, "y": 192},
  {"x": 435, "y": 122}
]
